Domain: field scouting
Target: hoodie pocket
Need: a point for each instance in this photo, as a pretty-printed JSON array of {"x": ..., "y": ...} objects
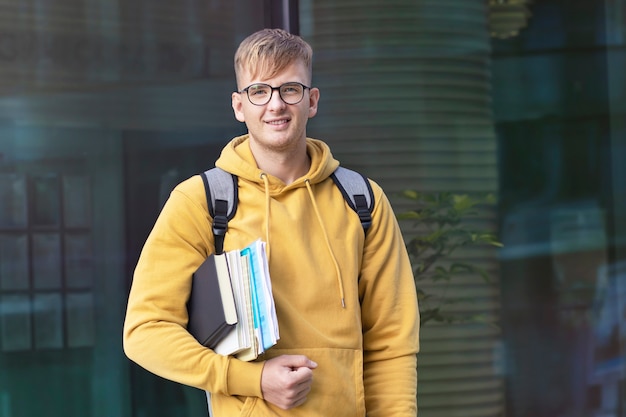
[{"x": 337, "y": 388}]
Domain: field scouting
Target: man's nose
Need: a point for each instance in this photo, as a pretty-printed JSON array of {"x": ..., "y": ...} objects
[{"x": 276, "y": 100}]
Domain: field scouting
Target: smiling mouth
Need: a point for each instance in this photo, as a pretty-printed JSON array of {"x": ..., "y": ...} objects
[{"x": 277, "y": 122}]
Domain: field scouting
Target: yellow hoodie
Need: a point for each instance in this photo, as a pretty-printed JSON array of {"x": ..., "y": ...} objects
[{"x": 344, "y": 299}]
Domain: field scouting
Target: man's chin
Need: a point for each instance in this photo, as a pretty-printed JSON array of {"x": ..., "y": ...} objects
[{"x": 277, "y": 142}]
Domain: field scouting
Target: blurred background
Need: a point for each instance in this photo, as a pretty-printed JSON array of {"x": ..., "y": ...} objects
[{"x": 106, "y": 105}]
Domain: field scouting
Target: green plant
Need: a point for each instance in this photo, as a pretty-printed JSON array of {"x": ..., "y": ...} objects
[{"x": 442, "y": 222}]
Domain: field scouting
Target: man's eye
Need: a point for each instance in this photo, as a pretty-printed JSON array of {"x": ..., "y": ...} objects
[
  {"x": 258, "y": 91},
  {"x": 291, "y": 89}
]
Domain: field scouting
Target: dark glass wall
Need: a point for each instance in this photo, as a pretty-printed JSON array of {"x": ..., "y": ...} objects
[
  {"x": 104, "y": 107},
  {"x": 559, "y": 107}
]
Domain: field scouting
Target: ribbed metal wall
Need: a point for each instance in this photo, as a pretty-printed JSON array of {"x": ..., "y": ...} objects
[{"x": 405, "y": 98}]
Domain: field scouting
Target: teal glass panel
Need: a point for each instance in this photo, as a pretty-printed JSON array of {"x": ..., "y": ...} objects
[
  {"x": 47, "y": 263},
  {"x": 15, "y": 320},
  {"x": 13, "y": 209},
  {"x": 46, "y": 201},
  {"x": 80, "y": 320},
  {"x": 79, "y": 260},
  {"x": 14, "y": 262},
  {"x": 48, "y": 320},
  {"x": 77, "y": 201}
]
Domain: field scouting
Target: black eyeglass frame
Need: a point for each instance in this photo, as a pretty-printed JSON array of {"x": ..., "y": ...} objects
[{"x": 272, "y": 89}]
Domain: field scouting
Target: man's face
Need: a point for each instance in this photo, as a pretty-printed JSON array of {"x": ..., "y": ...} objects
[{"x": 277, "y": 126}]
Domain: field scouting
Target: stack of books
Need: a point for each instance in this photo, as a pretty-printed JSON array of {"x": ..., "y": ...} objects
[{"x": 231, "y": 307}]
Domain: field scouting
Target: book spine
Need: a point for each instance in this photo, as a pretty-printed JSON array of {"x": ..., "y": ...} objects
[{"x": 257, "y": 311}]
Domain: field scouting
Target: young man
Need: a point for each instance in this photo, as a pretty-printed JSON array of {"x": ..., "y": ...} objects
[{"x": 345, "y": 299}]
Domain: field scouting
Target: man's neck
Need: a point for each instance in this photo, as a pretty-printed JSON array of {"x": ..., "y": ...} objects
[{"x": 287, "y": 166}]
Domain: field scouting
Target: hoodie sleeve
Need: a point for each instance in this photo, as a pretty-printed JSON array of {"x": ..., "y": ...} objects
[
  {"x": 390, "y": 317},
  {"x": 155, "y": 335}
]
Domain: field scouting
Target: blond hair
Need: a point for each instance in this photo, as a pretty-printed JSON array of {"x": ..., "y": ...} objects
[{"x": 269, "y": 51}]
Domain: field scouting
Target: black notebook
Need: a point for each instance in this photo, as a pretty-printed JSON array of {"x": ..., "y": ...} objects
[{"x": 211, "y": 306}]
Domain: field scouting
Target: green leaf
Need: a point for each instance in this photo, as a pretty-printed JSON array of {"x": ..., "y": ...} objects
[
  {"x": 409, "y": 215},
  {"x": 411, "y": 194},
  {"x": 461, "y": 267},
  {"x": 462, "y": 202}
]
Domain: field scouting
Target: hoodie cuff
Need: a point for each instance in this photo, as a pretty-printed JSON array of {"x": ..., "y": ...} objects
[{"x": 244, "y": 378}]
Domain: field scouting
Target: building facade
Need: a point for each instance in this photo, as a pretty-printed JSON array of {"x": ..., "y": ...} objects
[{"x": 106, "y": 105}]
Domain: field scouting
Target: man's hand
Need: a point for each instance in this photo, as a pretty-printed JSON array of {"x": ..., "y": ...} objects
[{"x": 286, "y": 380}]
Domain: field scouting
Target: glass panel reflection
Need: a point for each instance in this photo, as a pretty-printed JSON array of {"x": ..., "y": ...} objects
[
  {"x": 78, "y": 261},
  {"x": 80, "y": 320},
  {"x": 15, "y": 316},
  {"x": 14, "y": 262},
  {"x": 48, "y": 318},
  {"x": 46, "y": 200},
  {"x": 609, "y": 333},
  {"x": 76, "y": 201},
  {"x": 12, "y": 200},
  {"x": 47, "y": 260}
]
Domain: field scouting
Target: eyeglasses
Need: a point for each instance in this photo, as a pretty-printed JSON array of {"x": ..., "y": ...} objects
[{"x": 261, "y": 94}]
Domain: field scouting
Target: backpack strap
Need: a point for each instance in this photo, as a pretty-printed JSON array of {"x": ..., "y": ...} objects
[
  {"x": 357, "y": 192},
  {"x": 221, "y": 195}
]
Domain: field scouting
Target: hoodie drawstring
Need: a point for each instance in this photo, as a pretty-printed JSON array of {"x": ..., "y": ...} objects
[
  {"x": 267, "y": 214},
  {"x": 330, "y": 250}
]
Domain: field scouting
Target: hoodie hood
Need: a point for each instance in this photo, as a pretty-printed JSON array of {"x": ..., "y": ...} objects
[{"x": 237, "y": 159}]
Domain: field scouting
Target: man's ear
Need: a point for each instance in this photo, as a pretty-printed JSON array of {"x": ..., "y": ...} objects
[
  {"x": 314, "y": 98},
  {"x": 238, "y": 107}
]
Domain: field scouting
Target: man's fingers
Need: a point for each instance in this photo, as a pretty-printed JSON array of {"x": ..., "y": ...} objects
[{"x": 297, "y": 361}]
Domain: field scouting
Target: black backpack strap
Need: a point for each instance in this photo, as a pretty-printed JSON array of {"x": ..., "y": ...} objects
[
  {"x": 221, "y": 195},
  {"x": 357, "y": 191}
]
